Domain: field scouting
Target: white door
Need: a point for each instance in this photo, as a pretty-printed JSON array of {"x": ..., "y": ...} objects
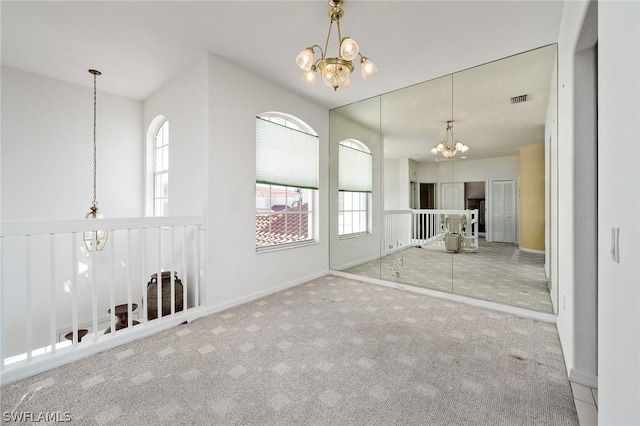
[
  {"x": 452, "y": 196},
  {"x": 503, "y": 201}
]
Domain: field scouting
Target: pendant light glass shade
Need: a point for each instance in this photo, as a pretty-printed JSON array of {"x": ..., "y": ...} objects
[
  {"x": 335, "y": 72},
  {"x": 367, "y": 68},
  {"x": 349, "y": 49},
  {"x": 304, "y": 60},
  {"x": 309, "y": 76},
  {"x": 95, "y": 240}
]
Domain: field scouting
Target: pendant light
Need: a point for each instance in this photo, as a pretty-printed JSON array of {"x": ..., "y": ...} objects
[
  {"x": 335, "y": 70},
  {"x": 94, "y": 240}
]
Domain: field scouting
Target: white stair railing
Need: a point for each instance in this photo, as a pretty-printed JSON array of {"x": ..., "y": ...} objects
[
  {"x": 418, "y": 228},
  {"x": 51, "y": 286}
]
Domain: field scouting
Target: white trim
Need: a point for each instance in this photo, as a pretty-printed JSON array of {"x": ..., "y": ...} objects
[
  {"x": 18, "y": 229},
  {"x": 262, "y": 293},
  {"x": 583, "y": 378},
  {"x": 359, "y": 261},
  {"x": 540, "y": 316},
  {"x": 528, "y": 250},
  {"x": 64, "y": 356}
]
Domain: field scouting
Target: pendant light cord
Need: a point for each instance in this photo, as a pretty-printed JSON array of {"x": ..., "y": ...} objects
[
  {"x": 95, "y": 76},
  {"x": 452, "y": 140}
]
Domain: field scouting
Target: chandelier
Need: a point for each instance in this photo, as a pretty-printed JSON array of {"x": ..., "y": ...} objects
[
  {"x": 94, "y": 240},
  {"x": 449, "y": 149},
  {"x": 336, "y": 70}
]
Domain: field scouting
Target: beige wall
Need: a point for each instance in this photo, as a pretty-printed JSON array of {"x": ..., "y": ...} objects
[{"x": 532, "y": 197}]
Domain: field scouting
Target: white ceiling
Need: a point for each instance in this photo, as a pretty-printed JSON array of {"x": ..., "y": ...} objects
[
  {"x": 140, "y": 46},
  {"x": 478, "y": 100}
]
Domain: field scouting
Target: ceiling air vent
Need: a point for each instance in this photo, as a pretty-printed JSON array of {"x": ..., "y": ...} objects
[{"x": 520, "y": 99}]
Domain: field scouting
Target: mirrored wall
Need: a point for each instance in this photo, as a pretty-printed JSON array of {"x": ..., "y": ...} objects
[{"x": 470, "y": 216}]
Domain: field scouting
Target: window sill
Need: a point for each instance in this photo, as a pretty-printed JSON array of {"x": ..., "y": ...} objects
[
  {"x": 356, "y": 235},
  {"x": 287, "y": 246}
]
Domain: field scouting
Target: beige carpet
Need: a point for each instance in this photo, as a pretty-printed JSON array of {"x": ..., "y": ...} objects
[
  {"x": 329, "y": 352},
  {"x": 498, "y": 272}
]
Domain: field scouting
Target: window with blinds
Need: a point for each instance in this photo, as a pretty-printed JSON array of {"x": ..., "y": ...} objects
[
  {"x": 355, "y": 183},
  {"x": 287, "y": 153}
]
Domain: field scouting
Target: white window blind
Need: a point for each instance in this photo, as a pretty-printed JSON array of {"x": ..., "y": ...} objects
[
  {"x": 285, "y": 156},
  {"x": 355, "y": 170}
]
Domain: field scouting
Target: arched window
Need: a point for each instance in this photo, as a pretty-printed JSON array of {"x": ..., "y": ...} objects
[
  {"x": 160, "y": 149},
  {"x": 355, "y": 185},
  {"x": 287, "y": 152}
]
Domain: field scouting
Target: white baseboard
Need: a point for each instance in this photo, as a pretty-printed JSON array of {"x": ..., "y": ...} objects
[
  {"x": 528, "y": 250},
  {"x": 541, "y": 316},
  {"x": 357, "y": 262},
  {"x": 22, "y": 370},
  {"x": 583, "y": 378},
  {"x": 262, "y": 293}
]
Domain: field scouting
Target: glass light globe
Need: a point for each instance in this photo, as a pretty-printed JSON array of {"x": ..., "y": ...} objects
[
  {"x": 349, "y": 49},
  {"x": 309, "y": 77},
  {"x": 95, "y": 240},
  {"x": 335, "y": 72},
  {"x": 367, "y": 68},
  {"x": 461, "y": 147},
  {"x": 305, "y": 59},
  {"x": 448, "y": 152}
]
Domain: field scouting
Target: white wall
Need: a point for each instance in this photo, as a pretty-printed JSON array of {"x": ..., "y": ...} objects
[
  {"x": 484, "y": 170},
  {"x": 396, "y": 184},
  {"x": 184, "y": 102},
  {"x": 346, "y": 252},
  {"x": 619, "y": 206},
  {"x": 234, "y": 270},
  {"x": 47, "y": 160},
  {"x": 501, "y": 168},
  {"x": 47, "y": 149},
  {"x": 577, "y": 338}
]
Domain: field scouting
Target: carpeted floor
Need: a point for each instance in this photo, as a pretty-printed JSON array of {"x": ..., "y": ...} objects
[
  {"x": 329, "y": 352},
  {"x": 498, "y": 272}
]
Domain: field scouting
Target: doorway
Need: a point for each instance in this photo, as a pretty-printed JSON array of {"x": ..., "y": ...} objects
[
  {"x": 474, "y": 195},
  {"x": 503, "y": 208},
  {"x": 427, "y": 195}
]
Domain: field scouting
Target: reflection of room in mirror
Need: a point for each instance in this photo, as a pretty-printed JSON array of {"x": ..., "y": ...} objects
[{"x": 501, "y": 178}]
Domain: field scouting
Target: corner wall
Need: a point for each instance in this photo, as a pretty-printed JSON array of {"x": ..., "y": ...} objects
[
  {"x": 47, "y": 174},
  {"x": 235, "y": 272},
  {"x": 184, "y": 103},
  {"x": 47, "y": 149},
  {"x": 577, "y": 307},
  {"x": 619, "y": 206}
]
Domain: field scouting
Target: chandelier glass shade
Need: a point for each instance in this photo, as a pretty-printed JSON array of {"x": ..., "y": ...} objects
[
  {"x": 335, "y": 70},
  {"x": 449, "y": 147},
  {"x": 94, "y": 240}
]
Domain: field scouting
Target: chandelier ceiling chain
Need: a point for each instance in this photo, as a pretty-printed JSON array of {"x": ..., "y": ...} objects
[
  {"x": 95, "y": 73},
  {"x": 449, "y": 150},
  {"x": 336, "y": 70}
]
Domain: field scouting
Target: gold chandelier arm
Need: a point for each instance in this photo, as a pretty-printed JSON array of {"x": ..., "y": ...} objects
[{"x": 321, "y": 53}]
